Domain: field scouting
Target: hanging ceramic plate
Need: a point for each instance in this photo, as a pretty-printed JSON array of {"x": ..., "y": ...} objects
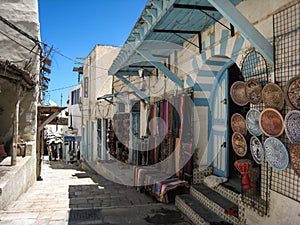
[
  {"x": 252, "y": 122},
  {"x": 292, "y": 92},
  {"x": 292, "y": 125},
  {"x": 253, "y": 90},
  {"x": 238, "y": 94},
  {"x": 256, "y": 149},
  {"x": 295, "y": 157},
  {"x": 238, "y": 124},
  {"x": 276, "y": 154},
  {"x": 271, "y": 122},
  {"x": 239, "y": 144},
  {"x": 273, "y": 96}
]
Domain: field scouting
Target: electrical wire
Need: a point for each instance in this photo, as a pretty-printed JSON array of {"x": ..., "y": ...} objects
[{"x": 30, "y": 50}]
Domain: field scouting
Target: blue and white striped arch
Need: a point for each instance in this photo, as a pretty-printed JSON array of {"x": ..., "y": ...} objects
[{"x": 210, "y": 89}]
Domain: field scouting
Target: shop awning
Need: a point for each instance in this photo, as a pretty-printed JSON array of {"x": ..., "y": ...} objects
[
  {"x": 164, "y": 26},
  {"x": 46, "y": 114}
]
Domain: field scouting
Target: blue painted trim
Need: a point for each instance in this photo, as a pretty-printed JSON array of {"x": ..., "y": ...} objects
[
  {"x": 134, "y": 88},
  {"x": 201, "y": 102},
  {"x": 203, "y": 53},
  {"x": 92, "y": 141},
  {"x": 214, "y": 63},
  {"x": 224, "y": 41},
  {"x": 189, "y": 81},
  {"x": 207, "y": 73},
  {"x": 212, "y": 44},
  {"x": 228, "y": 10},
  {"x": 238, "y": 44},
  {"x": 168, "y": 73},
  {"x": 203, "y": 87},
  {"x": 128, "y": 73}
]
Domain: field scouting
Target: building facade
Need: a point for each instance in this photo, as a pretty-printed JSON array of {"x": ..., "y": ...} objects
[
  {"x": 96, "y": 112},
  {"x": 213, "y": 62},
  {"x": 20, "y": 63}
]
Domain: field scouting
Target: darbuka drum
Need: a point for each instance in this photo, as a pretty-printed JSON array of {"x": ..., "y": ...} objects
[{"x": 244, "y": 166}]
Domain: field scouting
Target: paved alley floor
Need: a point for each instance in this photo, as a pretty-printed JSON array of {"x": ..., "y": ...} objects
[{"x": 68, "y": 195}]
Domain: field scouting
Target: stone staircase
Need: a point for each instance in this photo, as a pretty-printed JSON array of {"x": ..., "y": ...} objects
[{"x": 205, "y": 205}]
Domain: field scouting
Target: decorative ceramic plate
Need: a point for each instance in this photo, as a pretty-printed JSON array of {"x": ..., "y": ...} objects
[
  {"x": 253, "y": 90},
  {"x": 292, "y": 125},
  {"x": 239, "y": 144},
  {"x": 256, "y": 149},
  {"x": 292, "y": 92},
  {"x": 238, "y": 124},
  {"x": 276, "y": 154},
  {"x": 295, "y": 157},
  {"x": 273, "y": 96},
  {"x": 238, "y": 94},
  {"x": 252, "y": 122},
  {"x": 271, "y": 122}
]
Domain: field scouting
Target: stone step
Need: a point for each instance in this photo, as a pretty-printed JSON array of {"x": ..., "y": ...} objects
[
  {"x": 197, "y": 212},
  {"x": 216, "y": 202}
]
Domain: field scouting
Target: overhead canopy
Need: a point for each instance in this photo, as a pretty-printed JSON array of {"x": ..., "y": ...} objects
[
  {"x": 14, "y": 73},
  {"x": 164, "y": 26},
  {"x": 47, "y": 114}
]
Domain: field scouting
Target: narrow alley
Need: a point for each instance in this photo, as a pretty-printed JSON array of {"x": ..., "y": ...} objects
[{"x": 69, "y": 195}]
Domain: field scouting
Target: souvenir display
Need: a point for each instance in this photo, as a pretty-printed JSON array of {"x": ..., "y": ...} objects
[
  {"x": 253, "y": 91},
  {"x": 273, "y": 96},
  {"x": 252, "y": 122},
  {"x": 238, "y": 94},
  {"x": 295, "y": 157},
  {"x": 256, "y": 149},
  {"x": 292, "y": 125},
  {"x": 244, "y": 166},
  {"x": 238, "y": 124},
  {"x": 276, "y": 153},
  {"x": 292, "y": 92},
  {"x": 239, "y": 144},
  {"x": 271, "y": 122}
]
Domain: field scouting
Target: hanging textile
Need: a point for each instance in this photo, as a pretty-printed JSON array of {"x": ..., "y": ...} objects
[
  {"x": 166, "y": 120},
  {"x": 156, "y": 119},
  {"x": 170, "y": 118},
  {"x": 176, "y": 118},
  {"x": 187, "y": 119},
  {"x": 177, "y": 156},
  {"x": 181, "y": 114},
  {"x": 161, "y": 117},
  {"x": 153, "y": 120}
]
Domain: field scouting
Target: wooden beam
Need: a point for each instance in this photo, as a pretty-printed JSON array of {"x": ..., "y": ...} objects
[
  {"x": 48, "y": 120},
  {"x": 140, "y": 93},
  {"x": 168, "y": 73}
]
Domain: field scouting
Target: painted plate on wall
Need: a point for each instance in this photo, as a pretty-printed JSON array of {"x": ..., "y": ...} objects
[
  {"x": 271, "y": 122},
  {"x": 257, "y": 150},
  {"x": 276, "y": 154},
  {"x": 238, "y": 124},
  {"x": 273, "y": 96},
  {"x": 292, "y": 92},
  {"x": 238, "y": 94},
  {"x": 295, "y": 157},
  {"x": 253, "y": 90},
  {"x": 252, "y": 122},
  {"x": 239, "y": 144},
  {"x": 292, "y": 125}
]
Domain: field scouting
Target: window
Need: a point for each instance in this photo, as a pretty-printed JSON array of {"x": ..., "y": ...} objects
[
  {"x": 75, "y": 97},
  {"x": 86, "y": 89}
]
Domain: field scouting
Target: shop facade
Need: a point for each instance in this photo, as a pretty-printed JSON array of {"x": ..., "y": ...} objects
[{"x": 208, "y": 92}]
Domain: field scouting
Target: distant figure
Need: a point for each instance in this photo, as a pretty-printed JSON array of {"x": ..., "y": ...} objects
[{"x": 54, "y": 151}]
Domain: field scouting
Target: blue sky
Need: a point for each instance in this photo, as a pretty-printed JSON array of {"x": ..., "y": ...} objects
[{"x": 74, "y": 27}]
